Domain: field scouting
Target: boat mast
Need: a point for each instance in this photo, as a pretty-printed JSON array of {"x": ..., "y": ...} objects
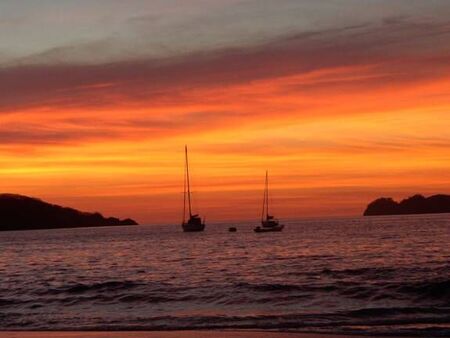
[
  {"x": 267, "y": 194},
  {"x": 265, "y": 206},
  {"x": 188, "y": 183},
  {"x": 184, "y": 197}
]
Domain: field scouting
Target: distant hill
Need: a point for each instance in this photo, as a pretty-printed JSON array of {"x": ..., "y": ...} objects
[
  {"x": 19, "y": 212},
  {"x": 416, "y": 204}
]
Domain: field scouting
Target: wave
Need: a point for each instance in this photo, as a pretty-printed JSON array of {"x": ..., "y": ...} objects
[
  {"x": 383, "y": 321},
  {"x": 279, "y": 287},
  {"x": 77, "y": 288},
  {"x": 432, "y": 291},
  {"x": 435, "y": 290}
]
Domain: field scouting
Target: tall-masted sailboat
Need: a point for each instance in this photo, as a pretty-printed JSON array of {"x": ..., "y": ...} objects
[
  {"x": 194, "y": 223},
  {"x": 268, "y": 222}
]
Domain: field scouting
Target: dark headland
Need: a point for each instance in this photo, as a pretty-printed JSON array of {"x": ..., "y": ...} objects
[
  {"x": 416, "y": 204},
  {"x": 19, "y": 212}
]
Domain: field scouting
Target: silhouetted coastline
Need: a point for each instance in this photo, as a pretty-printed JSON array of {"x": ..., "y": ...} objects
[
  {"x": 18, "y": 212},
  {"x": 416, "y": 204}
]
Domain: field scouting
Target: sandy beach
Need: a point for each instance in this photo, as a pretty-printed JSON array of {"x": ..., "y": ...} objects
[{"x": 168, "y": 334}]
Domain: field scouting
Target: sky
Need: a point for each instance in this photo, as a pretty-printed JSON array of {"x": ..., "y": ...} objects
[{"x": 343, "y": 101}]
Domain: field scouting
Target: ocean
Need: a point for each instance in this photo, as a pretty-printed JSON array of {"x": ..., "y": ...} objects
[{"x": 365, "y": 275}]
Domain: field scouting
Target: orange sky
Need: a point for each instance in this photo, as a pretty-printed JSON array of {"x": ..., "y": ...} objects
[{"x": 338, "y": 120}]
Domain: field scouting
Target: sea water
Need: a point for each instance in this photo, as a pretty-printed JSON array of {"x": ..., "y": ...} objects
[{"x": 386, "y": 275}]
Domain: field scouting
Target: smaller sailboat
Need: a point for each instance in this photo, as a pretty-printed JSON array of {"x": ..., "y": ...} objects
[
  {"x": 194, "y": 223},
  {"x": 268, "y": 223}
]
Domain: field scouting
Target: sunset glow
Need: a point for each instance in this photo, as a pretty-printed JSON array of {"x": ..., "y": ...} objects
[{"x": 338, "y": 113}]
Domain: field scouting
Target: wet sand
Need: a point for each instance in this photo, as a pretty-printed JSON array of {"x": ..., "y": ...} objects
[{"x": 168, "y": 334}]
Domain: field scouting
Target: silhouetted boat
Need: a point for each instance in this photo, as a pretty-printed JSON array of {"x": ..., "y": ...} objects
[
  {"x": 194, "y": 223},
  {"x": 268, "y": 222},
  {"x": 232, "y": 229}
]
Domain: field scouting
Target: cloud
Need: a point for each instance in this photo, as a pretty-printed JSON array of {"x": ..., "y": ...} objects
[
  {"x": 146, "y": 80},
  {"x": 295, "y": 75},
  {"x": 32, "y": 134}
]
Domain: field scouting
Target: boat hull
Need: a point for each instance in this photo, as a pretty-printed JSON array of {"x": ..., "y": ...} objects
[
  {"x": 192, "y": 227},
  {"x": 277, "y": 228}
]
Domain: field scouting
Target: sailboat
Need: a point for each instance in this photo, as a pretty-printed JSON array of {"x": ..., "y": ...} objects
[
  {"x": 268, "y": 223},
  {"x": 194, "y": 223}
]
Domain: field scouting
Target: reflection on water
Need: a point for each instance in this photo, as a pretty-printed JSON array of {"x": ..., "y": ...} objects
[{"x": 376, "y": 275}]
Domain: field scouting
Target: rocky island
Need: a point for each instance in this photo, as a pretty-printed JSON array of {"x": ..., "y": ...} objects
[
  {"x": 19, "y": 212},
  {"x": 416, "y": 204}
]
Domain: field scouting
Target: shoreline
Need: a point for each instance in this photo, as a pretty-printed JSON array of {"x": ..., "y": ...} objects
[{"x": 179, "y": 334}]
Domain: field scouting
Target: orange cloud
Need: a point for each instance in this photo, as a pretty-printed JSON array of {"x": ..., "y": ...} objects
[{"x": 335, "y": 126}]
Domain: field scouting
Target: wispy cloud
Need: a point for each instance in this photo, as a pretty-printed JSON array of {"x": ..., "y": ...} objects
[{"x": 396, "y": 46}]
